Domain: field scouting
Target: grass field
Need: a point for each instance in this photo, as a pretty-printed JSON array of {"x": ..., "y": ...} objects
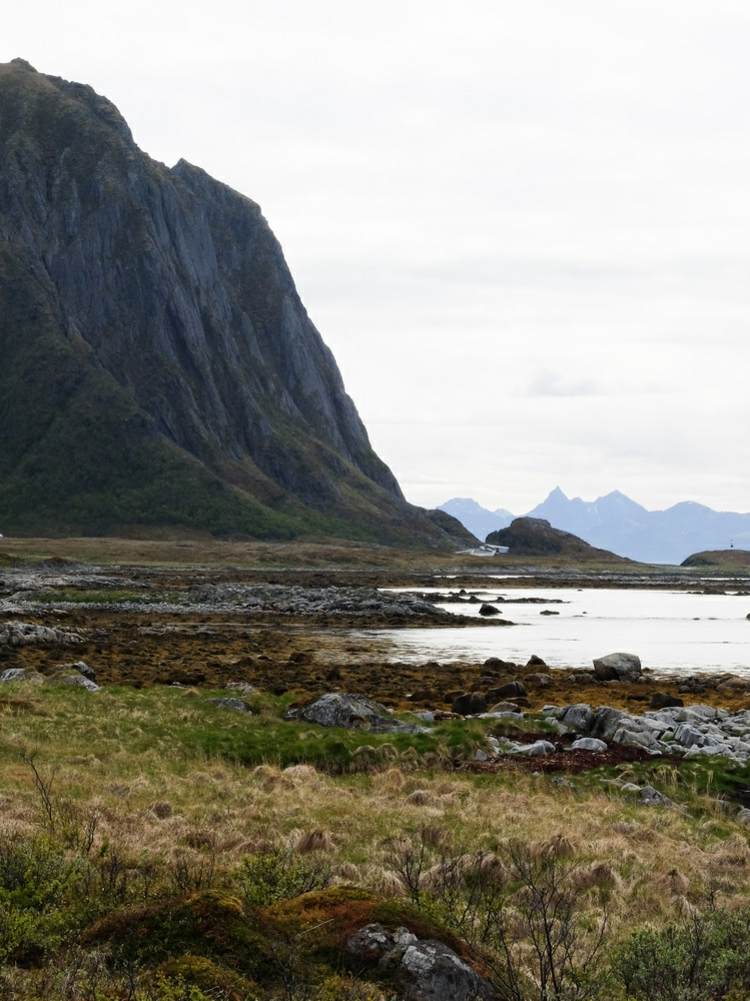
[{"x": 124, "y": 806}]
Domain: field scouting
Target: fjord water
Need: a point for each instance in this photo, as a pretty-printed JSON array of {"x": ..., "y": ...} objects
[{"x": 672, "y": 631}]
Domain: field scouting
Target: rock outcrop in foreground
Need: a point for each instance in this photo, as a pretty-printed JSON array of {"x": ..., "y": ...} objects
[
  {"x": 157, "y": 367},
  {"x": 536, "y": 537}
]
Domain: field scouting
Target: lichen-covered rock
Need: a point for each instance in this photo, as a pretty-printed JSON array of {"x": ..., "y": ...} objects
[
  {"x": 76, "y": 680},
  {"x": 79, "y": 667},
  {"x": 425, "y": 970},
  {"x": 537, "y": 749},
  {"x": 588, "y": 744},
  {"x": 19, "y": 634},
  {"x": 20, "y": 675},
  {"x": 353, "y": 712}
]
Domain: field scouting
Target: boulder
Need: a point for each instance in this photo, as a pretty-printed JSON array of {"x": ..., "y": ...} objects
[
  {"x": 588, "y": 744},
  {"x": 538, "y": 680},
  {"x": 496, "y": 664},
  {"x": 425, "y": 970},
  {"x": 652, "y": 797},
  {"x": 660, "y": 700},
  {"x": 536, "y": 750},
  {"x": 76, "y": 680},
  {"x": 489, "y": 610},
  {"x": 618, "y": 667},
  {"x": 513, "y": 689},
  {"x": 501, "y": 707},
  {"x": 735, "y": 685},
  {"x": 578, "y": 717},
  {"x": 20, "y": 675},
  {"x": 688, "y": 736},
  {"x": 82, "y": 668},
  {"x": 353, "y": 712},
  {"x": 535, "y": 661},
  {"x": 637, "y": 738},
  {"x": 469, "y": 704},
  {"x": 27, "y": 634},
  {"x": 605, "y": 722}
]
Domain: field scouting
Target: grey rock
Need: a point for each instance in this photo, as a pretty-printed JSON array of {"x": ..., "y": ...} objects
[
  {"x": 18, "y": 634},
  {"x": 578, "y": 717},
  {"x": 20, "y": 675},
  {"x": 633, "y": 738},
  {"x": 77, "y": 681},
  {"x": 535, "y": 661},
  {"x": 489, "y": 610},
  {"x": 351, "y": 712},
  {"x": 605, "y": 722},
  {"x": 652, "y": 797},
  {"x": 237, "y": 705},
  {"x": 469, "y": 704},
  {"x": 588, "y": 744},
  {"x": 425, "y": 970},
  {"x": 687, "y": 735},
  {"x": 538, "y": 749},
  {"x": 504, "y": 707},
  {"x": 711, "y": 751},
  {"x": 618, "y": 667},
  {"x": 660, "y": 700},
  {"x": 697, "y": 713},
  {"x": 513, "y": 689},
  {"x": 82, "y": 668},
  {"x": 538, "y": 680},
  {"x": 244, "y": 687}
]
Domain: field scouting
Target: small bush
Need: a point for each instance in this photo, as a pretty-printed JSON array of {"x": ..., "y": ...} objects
[
  {"x": 268, "y": 877},
  {"x": 37, "y": 898},
  {"x": 705, "y": 957}
]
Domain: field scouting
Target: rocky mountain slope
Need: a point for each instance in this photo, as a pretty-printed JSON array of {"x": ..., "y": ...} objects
[
  {"x": 157, "y": 367},
  {"x": 536, "y": 537},
  {"x": 620, "y": 524}
]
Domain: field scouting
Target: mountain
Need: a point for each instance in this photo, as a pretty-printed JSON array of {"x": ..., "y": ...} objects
[
  {"x": 617, "y": 523},
  {"x": 478, "y": 520},
  {"x": 536, "y": 537},
  {"x": 731, "y": 559},
  {"x": 157, "y": 367}
]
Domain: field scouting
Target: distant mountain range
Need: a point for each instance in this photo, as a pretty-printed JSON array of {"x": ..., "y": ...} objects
[{"x": 617, "y": 523}]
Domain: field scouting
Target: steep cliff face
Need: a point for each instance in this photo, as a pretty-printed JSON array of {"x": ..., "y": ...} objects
[{"x": 157, "y": 366}]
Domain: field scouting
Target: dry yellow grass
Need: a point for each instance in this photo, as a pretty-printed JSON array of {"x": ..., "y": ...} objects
[{"x": 112, "y": 754}]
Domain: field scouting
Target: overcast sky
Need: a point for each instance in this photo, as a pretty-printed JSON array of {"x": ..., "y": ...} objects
[{"x": 523, "y": 228}]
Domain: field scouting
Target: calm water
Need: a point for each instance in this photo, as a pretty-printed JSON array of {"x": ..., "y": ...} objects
[{"x": 670, "y": 631}]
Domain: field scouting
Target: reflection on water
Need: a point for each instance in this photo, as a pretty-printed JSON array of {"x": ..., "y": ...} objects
[{"x": 671, "y": 631}]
